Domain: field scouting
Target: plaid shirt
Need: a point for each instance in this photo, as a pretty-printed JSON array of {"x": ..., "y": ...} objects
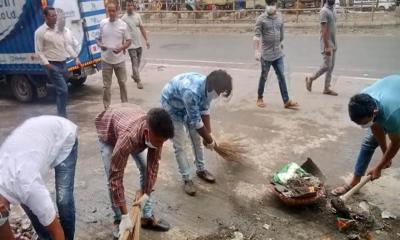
[{"x": 123, "y": 128}]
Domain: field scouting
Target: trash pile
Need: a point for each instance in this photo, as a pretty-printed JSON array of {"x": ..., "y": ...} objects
[
  {"x": 292, "y": 182},
  {"x": 23, "y": 230}
]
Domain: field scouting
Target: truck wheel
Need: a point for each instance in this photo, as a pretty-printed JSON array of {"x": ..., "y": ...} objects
[
  {"x": 22, "y": 88},
  {"x": 78, "y": 82}
]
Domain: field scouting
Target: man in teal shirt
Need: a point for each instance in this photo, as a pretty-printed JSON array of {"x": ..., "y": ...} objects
[{"x": 377, "y": 108}]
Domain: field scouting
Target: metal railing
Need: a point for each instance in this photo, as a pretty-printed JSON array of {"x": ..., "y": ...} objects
[{"x": 243, "y": 16}]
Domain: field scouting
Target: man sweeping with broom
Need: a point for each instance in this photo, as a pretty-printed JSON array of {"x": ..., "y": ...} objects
[
  {"x": 125, "y": 131},
  {"x": 187, "y": 99}
]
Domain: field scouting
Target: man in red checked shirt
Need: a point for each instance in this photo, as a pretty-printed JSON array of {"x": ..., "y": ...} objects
[{"x": 125, "y": 131}]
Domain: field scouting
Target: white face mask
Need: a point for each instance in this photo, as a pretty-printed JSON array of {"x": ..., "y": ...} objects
[
  {"x": 149, "y": 144},
  {"x": 368, "y": 125},
  {"x": 212, "y": 95},
  {"x": 270, "y": 9}
]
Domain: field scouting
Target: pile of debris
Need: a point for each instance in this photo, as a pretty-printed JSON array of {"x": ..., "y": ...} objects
[
  {"x": 295, "y": 186},
  {"x": 23, "y": 230}
]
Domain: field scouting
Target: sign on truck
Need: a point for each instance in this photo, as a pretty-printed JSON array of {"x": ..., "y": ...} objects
[{"x": 20, "y": 66}]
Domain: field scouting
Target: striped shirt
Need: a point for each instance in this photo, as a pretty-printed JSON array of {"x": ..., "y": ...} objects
[{"x": 123, "y": 128}]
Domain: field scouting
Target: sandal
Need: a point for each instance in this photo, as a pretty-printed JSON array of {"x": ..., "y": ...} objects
[
  {"x": 341, "y": 190},
  {"x": 291, "y": 105},
  {"x": 260, "y": 103}
]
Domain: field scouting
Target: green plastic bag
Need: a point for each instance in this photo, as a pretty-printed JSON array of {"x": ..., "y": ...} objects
[{"x": 288, "y": 171}]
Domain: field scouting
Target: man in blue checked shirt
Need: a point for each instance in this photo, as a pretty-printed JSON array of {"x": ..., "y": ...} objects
[{"x": 187, "y": 99}]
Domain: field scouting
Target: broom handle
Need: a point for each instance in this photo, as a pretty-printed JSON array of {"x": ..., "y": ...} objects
[{"x": 355, "y": 189}]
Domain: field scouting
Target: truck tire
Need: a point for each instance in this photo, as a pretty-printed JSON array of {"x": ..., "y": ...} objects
[
  {"x": 22, "y": 88},
  {"x": 78, "y": 82}
]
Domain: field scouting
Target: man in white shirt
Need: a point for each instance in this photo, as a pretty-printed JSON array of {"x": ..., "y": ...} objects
[
  {"x": 26, "y": 158},
  {"x": 52, "y": 50},
  {"x": 73, "y": 44},
  {"x": 113, "y": 40},
  {"x": 134, "y": 22}
]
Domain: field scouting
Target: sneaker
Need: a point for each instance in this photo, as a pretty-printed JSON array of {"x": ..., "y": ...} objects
[
  {"x": 206, "y": 176},
  {"x": 308, "y": 83},
  {"x": 189, "y": 188},
  {"x": 330, "y": 92},
  {"x": 152, "y": 223},
  {"x": 115, "y": 231},
  {"x": 139, "y": 85}
]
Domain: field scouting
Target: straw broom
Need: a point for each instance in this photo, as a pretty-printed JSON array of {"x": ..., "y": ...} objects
[{"x": 231, "y": 148}]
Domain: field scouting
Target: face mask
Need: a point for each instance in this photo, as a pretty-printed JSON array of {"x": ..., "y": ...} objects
[
  {"x": 271, "y": 9},
  {"x": 212, "y": 95},
  {"x": 368, "y": 125},
  {"x": 149, "y": 144},
  {"x": 226, "y": 97}
]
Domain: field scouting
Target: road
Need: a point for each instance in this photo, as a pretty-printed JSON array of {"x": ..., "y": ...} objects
[{"x": 239, "y": 200}]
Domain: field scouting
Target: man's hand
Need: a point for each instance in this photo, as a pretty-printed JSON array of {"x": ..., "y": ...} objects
[
  {"x": 125, "y": 225},
  {"x": 257, "y": 55},
  {"x": 147, "y": 44},
  {"x": 142, "y": 199},
  {"x": 211, "y": 145},
  {"x": 118, "y": 50},
  {"x": 375, "y": 173},
  {"x": 49, "y": 67},
  {"x": 78, "y": 62},
  {"x": 328, "y": 51}
]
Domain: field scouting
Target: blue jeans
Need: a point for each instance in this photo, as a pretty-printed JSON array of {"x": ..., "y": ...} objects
[
  {"x": 367, "y": 149},
  {"x": 279, "y": 70},
  {"x": 64, "y": 176},
  {"x": 56, "y": 76},
  {"x": 141, "y": 163},
  {"x": 179, "y": 143}
]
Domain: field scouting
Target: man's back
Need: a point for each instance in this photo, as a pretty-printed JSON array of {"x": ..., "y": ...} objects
[
  {"x": 386, "y": 92},
  {"x": 32, "y": 149}
]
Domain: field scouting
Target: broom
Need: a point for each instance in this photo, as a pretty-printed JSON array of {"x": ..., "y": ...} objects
[
  {"x": 231, "y": 148},
  {"x": 135, "y": 218}
]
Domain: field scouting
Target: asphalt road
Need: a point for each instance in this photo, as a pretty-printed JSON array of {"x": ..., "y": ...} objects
[{"x": 321, "y": 130}]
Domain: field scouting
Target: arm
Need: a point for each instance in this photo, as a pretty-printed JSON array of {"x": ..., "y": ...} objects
[
  {"x": 324, "y": 34},
  {"x": 144, "y": 34},
  {"x": 206, "y": 120},
  {"x": 153, "y": 159},
  {"x": 380, "y": 136},
  {"x": 38, "y": 199},
  {"x": 257, "y": 39},
  {"x": 119, "y": 160},
  {"x": 55, "y": 230},
  {"x": 387, "y": 156},
  {"x": 39, "y": 45}
]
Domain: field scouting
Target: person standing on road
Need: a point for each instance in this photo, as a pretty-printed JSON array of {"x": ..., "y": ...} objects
[
  {"x": 187, "y": 99},
  {"x": 27, "y": 156},
  {"x": 328, "y": 48},
  {"x": 134, "y": 21},
  {"x": 113, "y": 40},
  {"x": 268, "y": 50},
  {"x": 125, "y": 131},
  {"x": 376, "y": 108},
  {"x": 53, "y": 49}
]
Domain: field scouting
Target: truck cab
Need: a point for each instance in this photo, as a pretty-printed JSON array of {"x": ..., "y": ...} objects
[{"x": 19, "y": 65}]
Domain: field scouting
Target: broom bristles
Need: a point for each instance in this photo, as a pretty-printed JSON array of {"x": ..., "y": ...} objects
[{"x": 231, "y": 148}]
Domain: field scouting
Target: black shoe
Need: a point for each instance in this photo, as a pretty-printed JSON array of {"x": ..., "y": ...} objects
[
  {"x": 155, "y": 225},
  {"x": 189, "y": 187},
  {"x": 206, "y": 176}
]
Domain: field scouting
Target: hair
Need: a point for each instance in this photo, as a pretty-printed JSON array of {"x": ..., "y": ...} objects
[
  {"x": 111, "y": 3},
  {"x": 220, "y": 79},
  {"x": 361, "y": 106},
  {"x": 270, "y": 2},
  {"x": 160, "y": 123},
  {"x": 130, "y": 1},
  {"x": 47, "y": 9}
]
